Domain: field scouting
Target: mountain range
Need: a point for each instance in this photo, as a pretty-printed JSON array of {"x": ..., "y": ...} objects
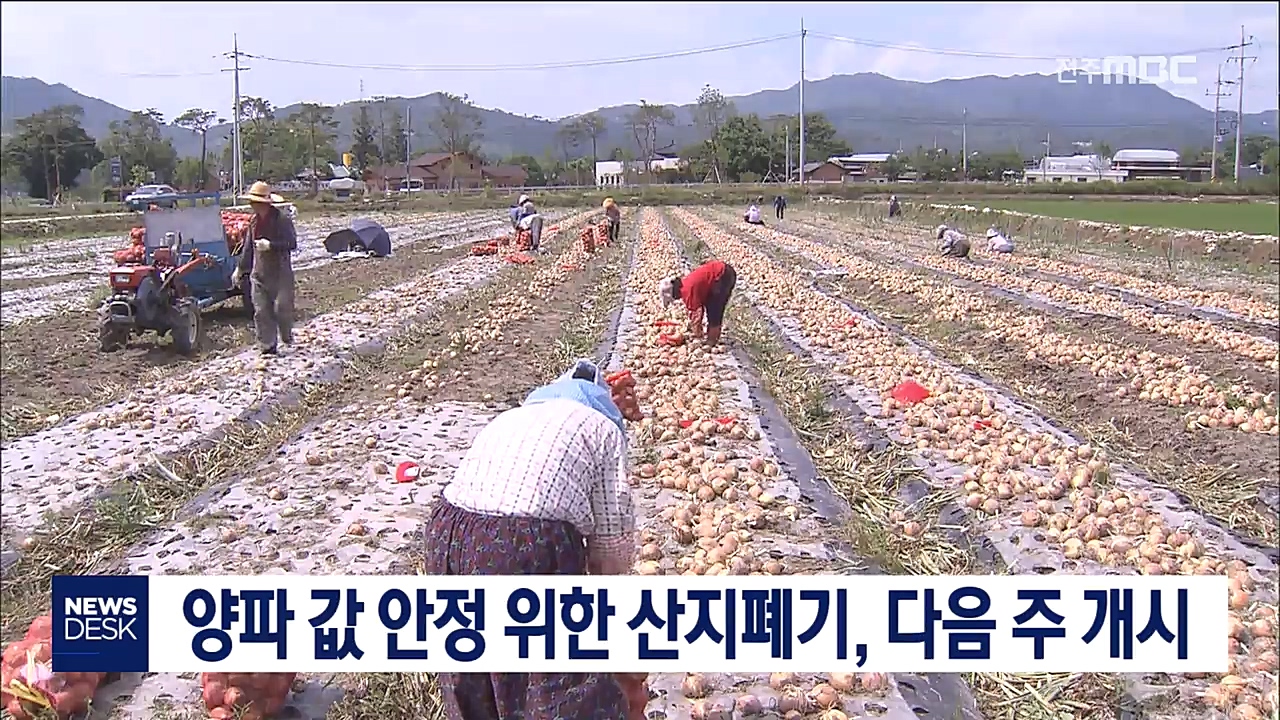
[{"x": 874, "y": 113}]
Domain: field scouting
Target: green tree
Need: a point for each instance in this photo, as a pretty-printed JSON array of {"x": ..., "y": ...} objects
[
  {"x": 393, "y": 137},
  {"x": 364, "y": 139},
  {"x": 713, "y": 110},
  {"x": 198, "y": 120},
  {"x": 894, "y": 167},
  {"x": 532, "y": 167},
  {"x": 257, "y": 131},
  {"x": 569, "y": 135},
  {"x": 820, "y": 138},
  {"x": 457, "y": 126},
  {"x": 190, "y": 173},
  {"x": 644, "y": 122},
  {"x": 748, "y": 150},
  {"x": 594, "y": 127},
  {"x": 138, "y": 141},
  {"x": 1271, "y": 159},
  {"x": 315, "y": 124},
  {"x": 50, "y": 149}
]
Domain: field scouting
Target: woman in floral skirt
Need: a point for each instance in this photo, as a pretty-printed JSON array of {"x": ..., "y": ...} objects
[{"x": 542, "y": 491}]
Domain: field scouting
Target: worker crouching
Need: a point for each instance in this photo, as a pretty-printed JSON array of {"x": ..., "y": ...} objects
[
  {"x": 705, "y": 290},
  {"x": 954, "y": 244},
  {"x": 998, "y": 242},
  {"x": 266, "y": 259},
  {"x": 542, "y": 491}
]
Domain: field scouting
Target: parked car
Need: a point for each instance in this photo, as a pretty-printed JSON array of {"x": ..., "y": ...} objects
[{"x": 146, "y": 195}]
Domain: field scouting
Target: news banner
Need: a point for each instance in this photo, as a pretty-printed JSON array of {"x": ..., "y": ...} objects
[{"x": 812, "y": 623}]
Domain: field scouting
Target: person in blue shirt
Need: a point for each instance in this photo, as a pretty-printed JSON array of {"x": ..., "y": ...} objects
[{"x": 517, "y": 212}]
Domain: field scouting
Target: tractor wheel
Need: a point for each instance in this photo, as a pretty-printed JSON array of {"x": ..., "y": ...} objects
[
  {"x": 186, "y": 329},
  {"x": 111, "y": 337}
]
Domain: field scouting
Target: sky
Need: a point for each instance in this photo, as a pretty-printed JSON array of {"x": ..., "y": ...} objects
[{"x": 168, "y": 56}]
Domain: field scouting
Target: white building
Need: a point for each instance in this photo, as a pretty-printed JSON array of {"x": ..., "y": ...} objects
[
  {"x": 1155, "y": 165},
  {"x": 609, "y": 173},
  {"x": 1073, "y": 169},
  {"x": 612, "y": 173}
]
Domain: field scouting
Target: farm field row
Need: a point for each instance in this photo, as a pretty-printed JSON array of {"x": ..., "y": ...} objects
[
  {"x": 782, "y": 453},
  {"x": 1254, "y": 218},
  {"x": 1243, "y": 303},
  {"x": 53, "y": 366},
  {"x": 973, "y": 455},
  {"x": 1203, "y": 415}
]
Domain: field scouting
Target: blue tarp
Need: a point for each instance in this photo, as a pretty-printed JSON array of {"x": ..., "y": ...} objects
[{"x": 364, "y": 234}]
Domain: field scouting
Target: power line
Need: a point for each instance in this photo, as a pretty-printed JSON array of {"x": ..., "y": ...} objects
[
  {"x": 533, "y": 66},
  {"x": 982, "y": 54}
]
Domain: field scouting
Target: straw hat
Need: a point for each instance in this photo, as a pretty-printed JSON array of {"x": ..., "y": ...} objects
[{"x": 260, "y": 192}]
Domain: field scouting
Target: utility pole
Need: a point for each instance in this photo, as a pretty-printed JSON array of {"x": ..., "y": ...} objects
[
  {"x": 1217, "y": 96},
  {"x": 408, "y": 143},
  {"x": 1240, "y": 97},
  {"x": 237, "y": 146},
  {"x": 802, "y": 35},
  {"x": 964, "y": 141},
  {"x": 786, "y": 132}
]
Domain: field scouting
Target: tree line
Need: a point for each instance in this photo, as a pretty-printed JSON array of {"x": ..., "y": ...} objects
[{"x": 50, "y": 150}]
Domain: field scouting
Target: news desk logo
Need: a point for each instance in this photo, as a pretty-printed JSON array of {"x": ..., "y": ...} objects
[
  {"x": 100, "y": 623},
  {"x": 1129, "y": 70}
]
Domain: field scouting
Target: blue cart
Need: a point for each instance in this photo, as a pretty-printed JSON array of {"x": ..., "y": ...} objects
[{"x": 186, "y": 267}]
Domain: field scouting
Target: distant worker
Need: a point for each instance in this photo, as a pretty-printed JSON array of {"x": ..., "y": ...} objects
[
  {"x": 998, "y": 242},
  {"x": 531, "y": 220},
  {"x": 779, "y": 206},
  {"x": 706, "y": 289},
  {"x": 265, "y": 258},
  {"x": 752, "y": 215},
  {"x": 614, "y": 216},
  {"x": 895, "y": 210},
  {"x": 954, "y": 244}
]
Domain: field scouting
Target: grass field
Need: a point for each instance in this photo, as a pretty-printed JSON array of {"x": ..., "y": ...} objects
[{"x": 1255, "y": 218}]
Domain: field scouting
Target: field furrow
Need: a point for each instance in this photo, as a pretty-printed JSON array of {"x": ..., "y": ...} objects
[
  {"x": 1047, "y": 502},
  {"x": 1241, "y": 343},
  {"x": 326, "y": 502}
]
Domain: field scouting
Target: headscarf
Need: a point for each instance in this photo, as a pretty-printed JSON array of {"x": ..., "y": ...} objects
[{"x": 593, "y": 393}]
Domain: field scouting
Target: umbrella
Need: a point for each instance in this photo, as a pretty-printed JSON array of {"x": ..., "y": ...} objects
[{"x": 363, "y": 234}]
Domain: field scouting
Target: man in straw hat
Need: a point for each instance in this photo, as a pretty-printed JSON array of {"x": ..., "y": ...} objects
[{"x": 265, "y": 259}]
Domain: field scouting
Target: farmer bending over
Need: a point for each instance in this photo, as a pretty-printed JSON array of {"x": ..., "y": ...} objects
[
  {"x": 614, "y": 216},
  {"x": 267, "y": 262},
  {"x": 531, "y": 220},
  {"x": 706, "y": 288},
  {"x": 542, "y": 491},
  {"x": 954, "y": 244}
]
